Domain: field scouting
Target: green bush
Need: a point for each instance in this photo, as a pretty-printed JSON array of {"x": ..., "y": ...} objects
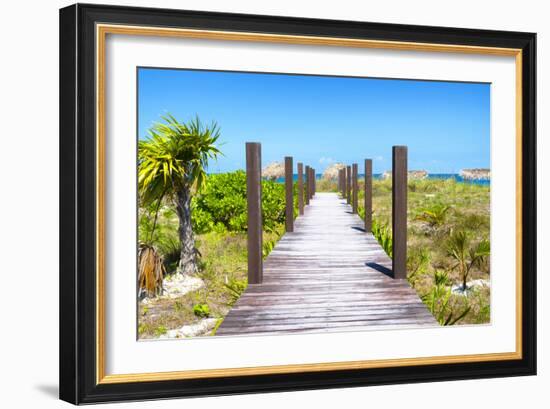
[
  {"x": 235, "y": 289},
  {"x": 201, "y": 310},
  {"x": 383, "y": 234},
  {"x": 201, "y": 220},
  {"x": 223, "y": 202}
]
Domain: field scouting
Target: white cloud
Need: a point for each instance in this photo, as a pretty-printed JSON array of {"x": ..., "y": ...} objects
[{"x": 324, "y": 160}]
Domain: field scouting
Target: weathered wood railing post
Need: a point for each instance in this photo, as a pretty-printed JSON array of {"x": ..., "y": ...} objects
[
  {"x": 368, "y": 195},
  {"x": 254, "y": 208},
  {"x": 344, "y": 183},
  {"x": 307, "y": 185},
  {"x": 289, "y": 188},
  {"x": 300, "y": 189},
  {"x": 355, "y": 182},
  {"x": 311, "y": 192},
  {"x": 340, "y": 181},
  {"x": 348, "y": 184},
  {"x": 399, "y": 211},
  {"x": 343, "y": 188},
  {"x": 314, "y": 181}
]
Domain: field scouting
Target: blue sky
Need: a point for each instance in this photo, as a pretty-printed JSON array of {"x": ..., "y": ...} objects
[{"x": 320, "y": 120}]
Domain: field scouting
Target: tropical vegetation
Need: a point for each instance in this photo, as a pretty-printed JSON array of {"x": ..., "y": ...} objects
[
  {"x": 448, "y": 244},
  {"x": 172, "y": 163}
]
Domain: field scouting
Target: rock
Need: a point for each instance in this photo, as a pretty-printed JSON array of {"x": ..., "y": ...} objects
[
  {"x": 413, "y": 174},
  {"x": 470, "y": 285},
  {"x": 176, "y": 285},
  {"x": 418, "y": 174},
  {"x": 476, "y": 174},
  {"x": 274, "y": 170},
  {"x": 200, "y": 328},
  {"x": 331, "y": 172}
]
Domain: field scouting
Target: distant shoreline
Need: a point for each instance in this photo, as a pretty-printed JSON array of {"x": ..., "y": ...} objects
[{"x": 435, "y": 176}]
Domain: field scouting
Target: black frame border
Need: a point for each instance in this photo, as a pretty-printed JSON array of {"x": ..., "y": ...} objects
[{"x": 78, "y": 197}]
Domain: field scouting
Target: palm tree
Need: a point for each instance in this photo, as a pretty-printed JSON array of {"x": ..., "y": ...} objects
[
  {"x": 172, "y": 163},
  {"x": 466, "y": 254}
]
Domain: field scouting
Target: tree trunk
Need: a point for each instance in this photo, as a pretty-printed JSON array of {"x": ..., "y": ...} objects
[{"x": 187, "y": 263}]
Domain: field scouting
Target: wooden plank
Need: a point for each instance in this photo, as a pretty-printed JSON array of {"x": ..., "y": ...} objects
[
  {"x": 289, "y": 194},
  {"x": 368, "y": 195},
  {"x": 399, "y": 211},
  {"x": 254, "y": 208},
  {"x": 300, "y": 327},
  {"x": 327, "y": 275}
]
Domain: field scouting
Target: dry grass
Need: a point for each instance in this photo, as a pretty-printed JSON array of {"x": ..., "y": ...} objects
[
  {"x": 223, "y": 268},
  {"x": 429, "y": 228},
  {"x": 151, "y": 270}
]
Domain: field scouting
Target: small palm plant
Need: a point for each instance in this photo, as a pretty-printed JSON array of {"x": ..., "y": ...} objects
[
  {"x": 438, "y": 300},
  {"x": 172, "y": 163},
  {"x": 466, "y": 254},
  {"x": 418, "y": 261},
  {"x": 435, "y": 215}
]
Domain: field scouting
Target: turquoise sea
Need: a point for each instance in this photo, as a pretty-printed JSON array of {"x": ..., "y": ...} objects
[{"x": 455, "y": 176}]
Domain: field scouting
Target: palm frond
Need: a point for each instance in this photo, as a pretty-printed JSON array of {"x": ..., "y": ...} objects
[{"x": 174, "y": 155}]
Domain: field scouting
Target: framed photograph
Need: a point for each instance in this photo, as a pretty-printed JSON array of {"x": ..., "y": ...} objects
[{"x": 257, "y": 203}]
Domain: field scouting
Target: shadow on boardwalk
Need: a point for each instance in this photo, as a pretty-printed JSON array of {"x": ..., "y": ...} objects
[{"x": 327, "y": 275}]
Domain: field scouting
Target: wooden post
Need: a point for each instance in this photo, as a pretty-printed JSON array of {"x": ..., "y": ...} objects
[
  {"x": 399, "y": 211},
  {"x": 314, "y": 181},
  {"x": 348, "y": 184},
  {"x": 311, "y": 193},
  {"x": 289, "y": 205},
  {"x": 254, "y": 207},
  {"x": 368, "y": 195},
  {"x": 355, "y": 182},
  {"x": 340, "y": 181},
  {"x": 307, "y": 185},
  {"x": 344, "y": 183},
  {"x": 300, "y": 189}
]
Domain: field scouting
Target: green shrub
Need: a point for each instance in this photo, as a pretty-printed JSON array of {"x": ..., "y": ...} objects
[
  {"x": 435, "y": 215},
  {"x": 201, "y": 220},
  {"x": 382, "y": 233},
  {"x": 438, "y": 301},
  {"x": 223, "y": 202},
  {"x": 418, "y": 262},
  {"x": 160, "y": 330},
  {"x": 201, "y": 310},
  {"x": 235, "y": 288},
  {"x": 273, "y": 204}
]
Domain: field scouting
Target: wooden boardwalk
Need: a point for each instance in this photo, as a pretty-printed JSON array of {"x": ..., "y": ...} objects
[{"x": 327, "y": 275}]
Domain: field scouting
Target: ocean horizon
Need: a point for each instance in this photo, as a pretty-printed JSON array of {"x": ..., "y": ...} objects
[{"x": 379, "y": 176}]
